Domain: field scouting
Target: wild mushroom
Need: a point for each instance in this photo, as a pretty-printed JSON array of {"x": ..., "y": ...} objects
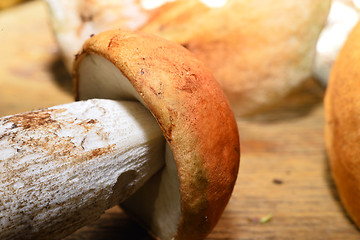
[
  {"x": 259, "y": 51},
  {"x": 68, "y": 164}
]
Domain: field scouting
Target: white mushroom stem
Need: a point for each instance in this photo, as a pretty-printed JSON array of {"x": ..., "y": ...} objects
[
  {"x": 341, "y": 20},
  {"x": 62, "y": 167},
  {"x": 74, "y": 21}
]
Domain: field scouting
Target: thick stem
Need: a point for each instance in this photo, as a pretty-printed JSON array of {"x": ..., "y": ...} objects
[{"x": 62, "y": 167}]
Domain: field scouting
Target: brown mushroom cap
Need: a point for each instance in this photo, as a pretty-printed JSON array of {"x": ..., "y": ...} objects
[
  {"x": 342, "y": 129},
  {"x": 259, "y": 51},
  {"x": 192, "y": 111}
]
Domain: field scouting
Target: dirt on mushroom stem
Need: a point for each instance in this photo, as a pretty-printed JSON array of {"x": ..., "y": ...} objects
[{"x": 62, "y": 167}]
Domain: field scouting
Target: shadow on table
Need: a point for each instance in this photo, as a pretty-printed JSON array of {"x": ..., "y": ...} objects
[
  {"x": 114, "y": 224},
  {"x": 298, "y": 103},
  {"x": 61, "y": 75}
]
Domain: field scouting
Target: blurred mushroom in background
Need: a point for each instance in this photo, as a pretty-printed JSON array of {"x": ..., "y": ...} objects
[{"x": 259, "y": 51}]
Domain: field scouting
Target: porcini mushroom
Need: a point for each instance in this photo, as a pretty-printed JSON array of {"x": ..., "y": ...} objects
[{"x": 80, "y": 175}]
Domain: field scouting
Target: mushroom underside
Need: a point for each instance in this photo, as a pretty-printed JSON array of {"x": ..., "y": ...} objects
[{"x": 157, "y": 204}]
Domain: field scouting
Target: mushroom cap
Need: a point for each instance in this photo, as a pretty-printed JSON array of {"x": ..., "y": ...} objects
[
  {"x": 192, "y": 111},
  {"x": 342, "y": 129}
]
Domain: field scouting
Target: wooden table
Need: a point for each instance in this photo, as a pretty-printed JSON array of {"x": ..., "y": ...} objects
[{"x": 284, "y": 171}]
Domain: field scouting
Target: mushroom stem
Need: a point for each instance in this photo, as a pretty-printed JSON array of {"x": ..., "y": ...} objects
[{"x": 62, "y": 167}]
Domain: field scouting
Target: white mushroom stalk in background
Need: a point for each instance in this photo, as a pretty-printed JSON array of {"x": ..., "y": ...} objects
[
  {"x": 343, "y": 16},
  {"x": 77, "y": 20},
  {"x": 62, "y": 167}
]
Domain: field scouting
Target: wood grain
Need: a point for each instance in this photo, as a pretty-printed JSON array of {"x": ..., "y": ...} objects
[
  {"x": 284, "y": 170},
  {"x": 31, "y": 74}
]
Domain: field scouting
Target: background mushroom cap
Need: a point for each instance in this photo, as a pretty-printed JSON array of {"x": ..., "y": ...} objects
[
  {"x": 259, "y": 51},
  {"x": 193, "y": 113},
  {"x": 342, "y": 129}
]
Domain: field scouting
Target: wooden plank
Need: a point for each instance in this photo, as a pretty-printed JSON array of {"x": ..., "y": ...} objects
[
  {"x": 284, "y": 171},
  {"x": 31, "y": 74}
]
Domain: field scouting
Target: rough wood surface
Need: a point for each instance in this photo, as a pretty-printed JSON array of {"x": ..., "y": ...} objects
[{"x": 284, "y": 171}]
